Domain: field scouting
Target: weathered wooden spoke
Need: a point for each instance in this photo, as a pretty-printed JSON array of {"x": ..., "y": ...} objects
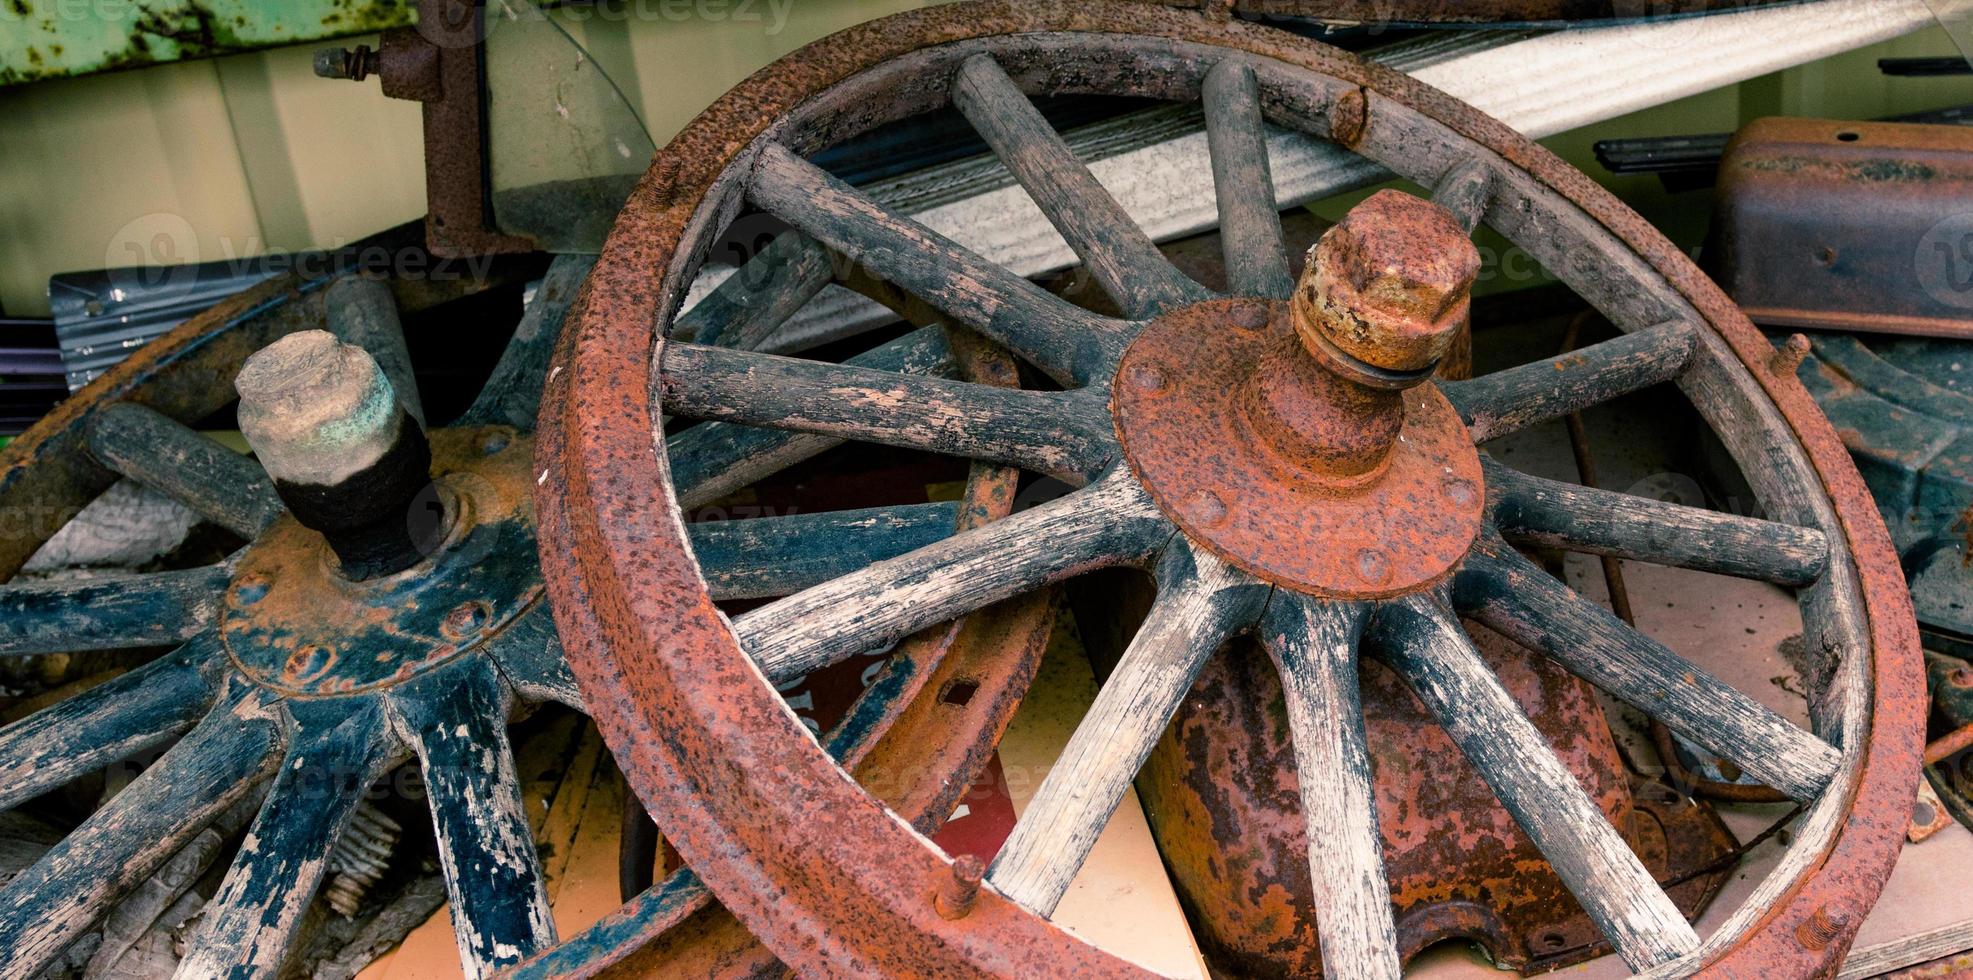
[
  {"x": 1201, "y": 603},
  {"x": 1107, "y": 523},
  {"x": 1314, "y": 645},
  {"x": 713, "y": 459},
  {"x": 1059, "y": 433},
  {"x": 529, "y": 655},
  {"x": 1426, "y": 644},
  {"x": 252, "y": 922},
  {"x": 52, "y": 902},
  {"x": 751, "y": 304},
  {"x": 1600, "y": 522},
  {"x": 456, "y": 721},
  {"x": 109, "y": 613},
  {"x": 512, "y": 393},
  {"x": 1122, "y": 258},
  {"x": 1515, "y": 597},
  {"x": 1511, "y": 400},
  {"x": 1072, "y": 345},
  {"x": 1249, "y": 224},
  {"x": 211, "y": 480},
  {"x": 777, "y": 556},
  {"x": 113, "y": 720},
  {"x": 1466, "y": 190},
  {"x": 362, "y": 311}
]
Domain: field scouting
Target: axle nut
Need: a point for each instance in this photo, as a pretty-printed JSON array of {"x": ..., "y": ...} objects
[
  {"x": 315, "y": 409},
  {"x": 1389, "y": 285}
]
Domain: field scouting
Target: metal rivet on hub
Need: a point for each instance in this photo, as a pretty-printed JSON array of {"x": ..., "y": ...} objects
[
  {"x": 1206, "y": 507},
  {"x": 1459, "y": 490},
  {"x": 248, "y": 593},
  {"x": 1249, "y": 317},
  {"x": 1147, "y": 377},
  {"x": 493, "y": 442},
  {"x": 466, "y": 619},
  {"x": 1371, "y": 564}
]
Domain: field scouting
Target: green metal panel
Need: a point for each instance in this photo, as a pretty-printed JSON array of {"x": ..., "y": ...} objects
[{"x": 55, "y": 38}]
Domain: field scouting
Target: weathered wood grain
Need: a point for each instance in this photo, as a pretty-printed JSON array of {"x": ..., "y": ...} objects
[
  {"x": 51, "y": 903},
  {"x": 1070, "y": 344},
  {"x": 1249, "y": 223},
  {"x": 1118, "y": 254},
  {"x": 1201, "y": 603},
  {"x": 1110, "y": 522},
  {"x": 455, "y": 719},
  {"x": 1466, "y": 190},
  {"x": 1600, "y": 522},
  {"x": 777, "y": 556},
  {"x": 749, "y": 305},
  {"x": 1314, "y": 646},
  {"x": 1426, "y": 645},
  {"x": 114, "y": 612},
  {"x": 211, "y": 480},
  {"x": 363, "y": 311},
  {"x": 252, "y": 922},
  {"x": 1064, "y": 434},
  {"x": 1511, "y": 400},
  {"x": 114, "y": 720},
  {"x": 713, "y": 459},
  {"x": 529, "y": 655},
  {"x": 1515, "y": 597},
  {"x": 512, "y": 393}
]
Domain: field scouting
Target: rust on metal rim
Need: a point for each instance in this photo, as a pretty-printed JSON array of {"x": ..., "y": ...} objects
[
  {"x": 1200, "y": 401},
  {"x": 1384, "y": 12},
  {"x": 677, "y": 699}
]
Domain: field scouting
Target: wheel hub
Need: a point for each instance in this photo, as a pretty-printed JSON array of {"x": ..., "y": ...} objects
[
  {"x": 400, "y": 550},
  {"x": 1296, "y": 439},
  {"x": 294, "y": 623}
]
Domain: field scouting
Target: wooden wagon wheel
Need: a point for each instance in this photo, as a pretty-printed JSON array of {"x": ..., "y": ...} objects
[
  {"x": 1278, "y": 457},
  {"x": 387, "y": 606}
]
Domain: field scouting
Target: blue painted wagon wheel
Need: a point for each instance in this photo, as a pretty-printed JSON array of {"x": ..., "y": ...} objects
[{"x": 387, "y": 606}]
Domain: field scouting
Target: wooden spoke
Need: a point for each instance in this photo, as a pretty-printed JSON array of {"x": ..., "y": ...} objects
[
  {"x": 1426, "y": 644},
  {"x": 211, "y": 480},
  {"x": 777, "y": 556},
  {"x": 52, "y": 902},
  {"x": 711, "y": 460},
  {"x": 1110, "y": 522},
  {"x": 1314, "y": 645},
  {"x": 1114, "y": 249},
  {"x": 251, "y": 924},
  {"x": 1600, "y": 522},
  {"x": 1058, "y": 433},
  {"x": 109, "y": 613},
  {"x": 1466, "y": 190},
  {"x": 1201, "y": 603},
  {"x": 456, "y": 720},
  {"x": 512, "y": 394},
  {"x": 745, "y": 309},
  {"x": 1511, "y": 400},
  {"x": 362, "y": 311},
  {"x": 1070, "y": 344},
  {"x": 529, "y": 654},
  {"x": 1515, "y": 597},
  {"x": 1249, "y": 223},
  {"x": 113, "y": 720}
]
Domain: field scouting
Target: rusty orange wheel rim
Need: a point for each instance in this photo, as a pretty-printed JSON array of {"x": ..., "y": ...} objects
[{"x": 818, "y": 869}]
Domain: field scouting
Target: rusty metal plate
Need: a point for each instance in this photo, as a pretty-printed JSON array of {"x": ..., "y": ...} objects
[
  {"x": 1221, "y": 796},
  {"x": 1852, "y": 226}
]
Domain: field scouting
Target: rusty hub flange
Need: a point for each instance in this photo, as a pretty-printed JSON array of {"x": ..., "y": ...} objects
[
  {"x": 292, "y": 622},
  {"x": 816, "y": 867},
  {"x": 1253, "y": 498}
]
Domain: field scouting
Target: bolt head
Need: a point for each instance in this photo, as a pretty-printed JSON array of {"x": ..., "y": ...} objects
[{"x": 1391, "y": 283}]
